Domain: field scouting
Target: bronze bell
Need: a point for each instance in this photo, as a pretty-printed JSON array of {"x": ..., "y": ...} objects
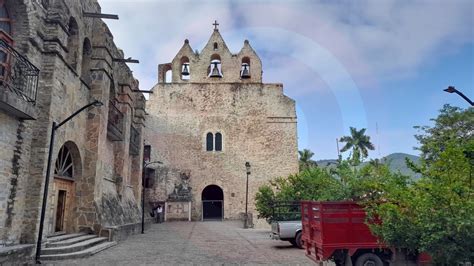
[
  {"x": 215, "y": 71},
  {"x": 245, "y": 74},
  {"x": 185, "y": 71}
]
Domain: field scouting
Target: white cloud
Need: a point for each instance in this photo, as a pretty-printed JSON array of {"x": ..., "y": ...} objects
[
  {"x": 153, "y": 31},
  {"x": 347, "y": 44},
  {"x": 370, "y": 38}
]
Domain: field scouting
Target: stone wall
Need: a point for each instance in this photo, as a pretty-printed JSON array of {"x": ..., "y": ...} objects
[
  {"x": 13, "y": 255},
  {"x": 76, "y": 57},
  {"x": 258, "y": 125},
  {"x": 177, "y": 211},
  {"x": 164, "y": 180},
  {"x": 15, "y": 138}
]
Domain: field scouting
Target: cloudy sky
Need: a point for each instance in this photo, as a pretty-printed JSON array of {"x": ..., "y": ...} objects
[{"x": 379, "y": 64}]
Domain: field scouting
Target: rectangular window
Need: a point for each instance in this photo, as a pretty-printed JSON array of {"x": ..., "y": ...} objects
[
  {"x": 209, "y": 142},
  {"x": 218, "y": 142},
  {"x": 147, "y": 153}
]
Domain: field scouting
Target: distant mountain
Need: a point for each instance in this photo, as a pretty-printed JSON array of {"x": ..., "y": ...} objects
[
  {"x": 395, "y": 161},
  {"x": 327, "y": 162}
]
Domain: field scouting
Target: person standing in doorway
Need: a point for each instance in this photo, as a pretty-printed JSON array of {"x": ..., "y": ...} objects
[{"x": 159, "y": 214}]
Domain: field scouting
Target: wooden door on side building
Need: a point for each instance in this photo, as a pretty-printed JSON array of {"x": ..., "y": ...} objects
[{"x": 64, "y": 191}]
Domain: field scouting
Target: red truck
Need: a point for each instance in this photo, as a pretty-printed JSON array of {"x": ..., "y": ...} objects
[{"x": 337, "y": 231}]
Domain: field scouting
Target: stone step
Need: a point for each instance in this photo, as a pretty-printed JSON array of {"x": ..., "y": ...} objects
[
  {"x": 79, "y": 254},
  {"x": 63, "y": 237},
  {"x": 69, "y": 241},
  {"x": 74, "y": 247},
  {"x": 59, "y": 233}
]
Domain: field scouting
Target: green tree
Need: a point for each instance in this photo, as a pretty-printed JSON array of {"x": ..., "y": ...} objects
[
  {"x": 359, "y": 143},
  {"x": 342, "y": 182},
  {"x": 263, "y": 202},
  {"x": 305, "y": 161},
  {"x": 435, "y": 213},
  {"x": 310, "y": 184},
  {"x": 452, "y": 124}
]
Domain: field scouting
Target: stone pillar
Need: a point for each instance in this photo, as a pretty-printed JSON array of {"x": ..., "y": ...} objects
[
  {"x": 89, "y": 188},
  {"x": 162, "y": 69},
  {"x": 137, "y": 161},
  {"x": 121, "y": 148}
]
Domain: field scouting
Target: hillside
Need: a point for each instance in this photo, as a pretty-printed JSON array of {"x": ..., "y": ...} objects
[{"x": 395, "y": 161}]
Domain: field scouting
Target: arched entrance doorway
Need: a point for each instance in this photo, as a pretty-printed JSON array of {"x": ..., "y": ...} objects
[
  {"x": 212, "y": 203},
  {"x": 66, "y": 170}
]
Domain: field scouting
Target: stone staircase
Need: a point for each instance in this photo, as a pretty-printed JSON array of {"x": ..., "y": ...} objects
[{"x": 73, "y": 246}]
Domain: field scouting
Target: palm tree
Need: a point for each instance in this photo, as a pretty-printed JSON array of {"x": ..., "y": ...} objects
[
  {"x": 305, "y": 159},
  {"x": 359, "y": 143}
]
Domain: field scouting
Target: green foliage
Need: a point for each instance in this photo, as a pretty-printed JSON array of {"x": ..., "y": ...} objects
[
  {"x": 305, "y": 161},
  {"x": 320, "y": 184},
  {"x": 359, "y": 143},
  {"x": 396, "y": 162},
  {"x": 311, "y": 184},
  {"x": 453, "y": 125},
  {"x": 263, "y": 202},
  {"x": 435, "y": 213}
]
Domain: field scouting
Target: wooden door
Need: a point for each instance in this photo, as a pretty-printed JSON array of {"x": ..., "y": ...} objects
[
  {"x": 60, "y": 209},
  {"x": 64, "y": 189}
]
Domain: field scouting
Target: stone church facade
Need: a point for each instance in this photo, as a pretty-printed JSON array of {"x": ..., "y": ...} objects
[
  {"x": 207, "y": 121},
  {"x": 54, "y": 59}
]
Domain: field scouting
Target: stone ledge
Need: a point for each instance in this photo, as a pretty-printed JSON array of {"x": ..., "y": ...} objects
[
  {"x": 122, "y": 232},
  {"x": 14, "y": 105},
  {"x": 17, "y": 254}
]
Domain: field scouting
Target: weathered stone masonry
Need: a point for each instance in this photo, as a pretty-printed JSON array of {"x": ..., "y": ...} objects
[
  {"x": 256, "y": 121},
  {"x": 77, "y": 62}
]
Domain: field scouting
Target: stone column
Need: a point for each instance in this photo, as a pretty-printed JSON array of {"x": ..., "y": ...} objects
[{"x": 88, "y": 190}]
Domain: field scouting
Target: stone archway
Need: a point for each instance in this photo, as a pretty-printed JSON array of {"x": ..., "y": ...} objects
[
  {"x": 212, "y": 203},
  {"x": 67, "y": 169}
]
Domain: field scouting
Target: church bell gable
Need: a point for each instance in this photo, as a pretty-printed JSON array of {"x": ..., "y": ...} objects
[
  {"x": 216, "y": 45},
  {"x": 183, "y": 63},
  {"x": 250, "y": 64},
  {"x": 215, "y": 63}
]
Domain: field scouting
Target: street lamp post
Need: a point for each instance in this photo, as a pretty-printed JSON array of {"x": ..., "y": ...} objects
[
  {"x": 452, "y": 89},
  {"x": 145, "y": 165},
  {"x": 247, "y": 167},
  {"x": 54, "y": 127}
]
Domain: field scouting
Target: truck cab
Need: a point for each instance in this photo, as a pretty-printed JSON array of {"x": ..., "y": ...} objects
[{"x": 286, "y": 223}]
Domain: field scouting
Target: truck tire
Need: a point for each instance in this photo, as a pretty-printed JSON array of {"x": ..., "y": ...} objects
[
  {"x": 369, "y": 259},
  {"x": 298, "y": 240}
]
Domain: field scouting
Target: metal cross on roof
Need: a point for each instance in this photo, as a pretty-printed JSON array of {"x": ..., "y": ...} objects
[{"x": 215, "y": 24}]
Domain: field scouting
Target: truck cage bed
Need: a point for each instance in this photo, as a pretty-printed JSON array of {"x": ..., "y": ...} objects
[
  {"x": 331, "y": 226},
  {"x": 286, "y": 211}
]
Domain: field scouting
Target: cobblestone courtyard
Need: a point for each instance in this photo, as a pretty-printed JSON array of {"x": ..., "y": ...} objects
[{"x": 200, "y": 243}]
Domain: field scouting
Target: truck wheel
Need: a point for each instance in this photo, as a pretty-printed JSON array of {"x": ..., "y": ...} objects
[
  {"x": 369, "y": 259},
  {"x": 298, "y": 240}
]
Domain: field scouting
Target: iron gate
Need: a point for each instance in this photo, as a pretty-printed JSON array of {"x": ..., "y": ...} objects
[{"x": 212, "y": 210}]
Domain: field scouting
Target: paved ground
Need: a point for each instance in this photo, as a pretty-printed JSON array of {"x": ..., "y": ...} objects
[{"x": 198, "y": 243}]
